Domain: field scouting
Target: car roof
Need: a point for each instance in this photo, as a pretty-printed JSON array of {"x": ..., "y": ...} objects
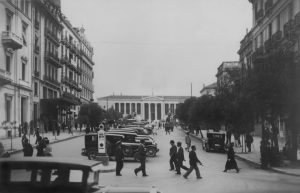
[{"x": 72, "y": 162}]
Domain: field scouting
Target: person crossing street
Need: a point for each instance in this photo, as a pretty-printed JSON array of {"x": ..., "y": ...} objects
[
  {"x": 172, "y": 153},
  {"x": 193, "y": 164},
  {"x": 142, "y": 157},
  {"x": 119, "y": 158},
  {"x": 180, "y": 159}
]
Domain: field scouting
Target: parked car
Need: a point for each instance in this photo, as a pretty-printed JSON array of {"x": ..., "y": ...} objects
[
  {"x": 56, "y": 175},
  {"x": 39, "y": 174},
  {"x": 214, "y": 141},
  {"x": 130, "y": 143}
]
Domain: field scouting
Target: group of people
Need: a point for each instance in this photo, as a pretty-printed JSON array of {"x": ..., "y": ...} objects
[
  {"x": 177, "y": 158},
  {"x": 42, "y": 146}
]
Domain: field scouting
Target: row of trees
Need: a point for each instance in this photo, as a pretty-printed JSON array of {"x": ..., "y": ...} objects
[
  {"x": 264, "y": 93},
  {"x": 92, "y": 114}
]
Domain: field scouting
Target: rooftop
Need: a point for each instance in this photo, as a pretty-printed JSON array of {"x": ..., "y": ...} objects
[{"x": 139, "y": 97}]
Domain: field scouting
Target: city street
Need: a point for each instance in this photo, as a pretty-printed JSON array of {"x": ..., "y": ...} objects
[{"x": 214, "y": 180}]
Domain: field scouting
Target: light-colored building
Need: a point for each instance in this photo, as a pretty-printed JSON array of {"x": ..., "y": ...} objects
[
  {"x": 209, "y": 89},
  {"x": 15, "y": 64},
  {"x": 228, "y": 72},
  {"x": 144, "y": 107}
]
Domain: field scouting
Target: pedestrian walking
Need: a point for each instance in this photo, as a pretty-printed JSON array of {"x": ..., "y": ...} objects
[
  {"x": 173, "y": 154},
  {"x": 70, "y": 129},
  {"x": 188, "y": 141},
  {"x": 180, "y": 159},
  {"x": 24, "y": 138},
  {"x": 37, "y": 135},
  {"x": 231, "y": 163},
  {"x": 193, "y": 163},
  {"x": 119, "y": 158},
  {"x": 27, "y": 149},
  {"x": 249, "y": 141},
  {"x": 142, "y": 157}
]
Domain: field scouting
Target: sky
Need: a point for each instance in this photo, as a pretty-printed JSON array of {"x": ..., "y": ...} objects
[{"x": 159, "y": 47}]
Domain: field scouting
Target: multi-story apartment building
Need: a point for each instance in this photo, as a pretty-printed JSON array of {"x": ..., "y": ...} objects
[
  {"x": 275, "y": 31},
  {"x": 87, "y": 64},
  {"x": 15, "y": 64},
  {"x": 71, "y": 87}
]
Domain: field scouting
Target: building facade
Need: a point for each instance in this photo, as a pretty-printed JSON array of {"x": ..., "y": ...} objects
[
  {"x": 227, "y": 73},
  {"x": 42, "y": 59},
  {"x": 15, "y": 64},
  {"x": 275, "y": 31},
  {"x": 209, "y": 89},
  {"x": 143, "y": 107}
]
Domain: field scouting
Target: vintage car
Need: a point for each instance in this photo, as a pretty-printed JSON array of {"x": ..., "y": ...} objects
[
  {"x": 215, "y": 141},
  {"x": 45, "y": 175},
  {"x": 130, "y": 143},
  {"x": 57, "y": 175}
]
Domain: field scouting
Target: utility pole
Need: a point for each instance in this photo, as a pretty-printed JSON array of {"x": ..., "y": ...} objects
[{"x": 191, "y": 89}]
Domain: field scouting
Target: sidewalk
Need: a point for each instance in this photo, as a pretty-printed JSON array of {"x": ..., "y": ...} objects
[
  {"x": 17, "y": 144},
  {"x": 253, "y": 157}
]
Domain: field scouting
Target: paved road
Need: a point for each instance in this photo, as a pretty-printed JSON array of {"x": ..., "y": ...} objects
[{"x": 214, "y": 180}]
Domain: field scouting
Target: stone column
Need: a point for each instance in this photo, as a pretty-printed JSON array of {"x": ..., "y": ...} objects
[
  {"x": 143, "y": 110},
  {"x": 155, "y": 111},
  {"x": 125, "y": 108},
  {"x": 162, "y": 110}
]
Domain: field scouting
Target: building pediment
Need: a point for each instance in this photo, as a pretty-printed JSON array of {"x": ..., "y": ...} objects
[{"x": 152, "y": 98}]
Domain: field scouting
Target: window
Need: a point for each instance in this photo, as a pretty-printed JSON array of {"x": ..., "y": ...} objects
[
  {"x": 20, "y": 175},
  {"x": 35, "y": 89},
  {"x": 23, "y": 70},
  {"x": 8, "y": 22},
  {"x": 24, "y": 33},
  {"x": 35, "y": 64},
  {"x": 8, "y": 62},
  {"x": 8, "y": 108},
  {"x": 75, "y": 176},
  {"x": 45, "y": 92}
]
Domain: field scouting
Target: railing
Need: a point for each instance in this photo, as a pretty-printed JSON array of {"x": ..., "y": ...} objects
[
  {"x": 4, "y": 75},
  {"x": 53, "y": 57},
  {"x": 289, "y": 29},
  {"x": 258, "y": 53},
  {"x": 70, "y": 97},
  {"x": 268, "y": 45},
  {"x": 52, "y": 35},
  {"x": 52, "y": 80}
]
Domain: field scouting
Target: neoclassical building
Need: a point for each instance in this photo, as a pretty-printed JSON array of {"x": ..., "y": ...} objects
[{"x": 145, "y": 107}]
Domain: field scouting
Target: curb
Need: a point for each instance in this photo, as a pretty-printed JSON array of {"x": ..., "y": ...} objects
[
  {"x": 52, "y": 142},
  {"x": 254, "y": 163}
]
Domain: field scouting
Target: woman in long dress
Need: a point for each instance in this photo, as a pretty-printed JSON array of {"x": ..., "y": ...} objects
[{"x": 231, "y": 163}]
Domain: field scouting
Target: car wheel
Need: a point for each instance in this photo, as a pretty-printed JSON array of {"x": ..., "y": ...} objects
[
  {"x": 92, "y": 154},
  {"x": 151, "y": 152}
]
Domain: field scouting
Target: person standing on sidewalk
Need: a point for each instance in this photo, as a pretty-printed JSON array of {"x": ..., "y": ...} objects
[
  {"x": 180, "y": 159},
  {"x": 231, "y": 163},
  {"x": 142, "y": 157},
  {"x": 27, "y": 150},
  {"x": 24, "y": 138},
  {"x": 249, "y": 141},
  {"x": 119, "y": 158},
  {"x": 188, "y": 141},
  {"x": 173, "y": 154},
  {"x": 193, "y": 164}
]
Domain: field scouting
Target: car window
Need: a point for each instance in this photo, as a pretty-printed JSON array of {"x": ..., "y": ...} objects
[
  {"x": 75, "y": 176},
  {"x": 20, "y": 175}
]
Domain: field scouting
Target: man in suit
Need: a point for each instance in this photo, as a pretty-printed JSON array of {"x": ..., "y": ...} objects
[
  {"x": 142, "y": 156},
  {"x": 172, "y": 153},
  {"x": 193, "y": 163},
  {"x": 180, "y": 159},
  {"x": 119, "y": 158}
]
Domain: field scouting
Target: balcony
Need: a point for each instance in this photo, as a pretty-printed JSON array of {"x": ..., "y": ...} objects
[
  {"x": 70, "y": 98},
  {"x": 51, "y": 80},
  {"x": 71, "y": 83},
  {"x": 259, "y": 15},
  {"x": 24, "y": 83},
  {"x": 11, "y": 40},
  {"x": 52, "y": 36},
  {"x": 79, "y": 70},
  {"x": 37, "y": 49},
  {"x": 5, "y": 77},
  {"x": 268, "y": 6},
  {"x": 258, "y": 54},
  {"x": 53, "y": 58},
  {"x": 36, "y": 74},
  {"x": 65, "y": 42}
]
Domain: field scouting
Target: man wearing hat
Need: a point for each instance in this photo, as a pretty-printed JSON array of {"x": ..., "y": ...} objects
[
  {"x": 119, "y": 158},
  {"x": 142, "y": 156},
  {"x": 172, "y": 153}
]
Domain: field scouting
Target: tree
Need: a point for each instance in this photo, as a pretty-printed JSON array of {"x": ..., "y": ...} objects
[
  {"x": 91, "y": 114},
  {"x": 112, "y": 114}
]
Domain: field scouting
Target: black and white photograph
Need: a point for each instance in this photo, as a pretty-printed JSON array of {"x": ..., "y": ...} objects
[{"x": 149, "y": 96}]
